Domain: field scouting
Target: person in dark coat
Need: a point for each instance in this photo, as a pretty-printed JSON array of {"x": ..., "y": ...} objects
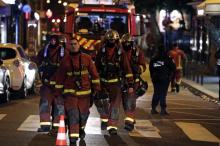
[{"x": 161, "y": 69}]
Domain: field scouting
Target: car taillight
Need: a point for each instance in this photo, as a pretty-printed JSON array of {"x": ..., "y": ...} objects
[{"x": 16, "y": 63}]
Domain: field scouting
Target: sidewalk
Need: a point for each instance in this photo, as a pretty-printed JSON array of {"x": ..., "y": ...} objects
[{"x": 210, "y": 87}]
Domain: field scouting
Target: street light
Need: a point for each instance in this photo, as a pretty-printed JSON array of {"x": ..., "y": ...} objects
[
  {"x": 59, "y": 1},
  {"x": 65, "y": 4}
]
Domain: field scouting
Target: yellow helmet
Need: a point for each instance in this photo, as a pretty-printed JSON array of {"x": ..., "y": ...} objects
[
  {"x": 111, "y": 35},
  {"x": 126, "y": 38}
]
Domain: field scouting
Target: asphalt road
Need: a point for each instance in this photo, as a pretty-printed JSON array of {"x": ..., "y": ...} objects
[{"x": 192, "y": 122}]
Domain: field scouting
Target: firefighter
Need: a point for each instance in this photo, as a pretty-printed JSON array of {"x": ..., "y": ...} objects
[
  {"x": 76, "y": 78},
  {"x": 138, "y": 65},
  {"x": 178, "y": 56},
  {"x": 48, "y": 61},
  {"x": 161, "y": 68},
  {"x": 114, "y": 68}
]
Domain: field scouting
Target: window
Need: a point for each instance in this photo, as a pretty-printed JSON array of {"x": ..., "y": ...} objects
[
  {"x": 99, "y": 23},
  {"x": 22, "y": 53},
  {"x": 7, "y": 53}
]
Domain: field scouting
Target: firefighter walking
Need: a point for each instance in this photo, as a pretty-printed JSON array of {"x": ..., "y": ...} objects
[
  {"x": 76, "y": 78},
  {"x": 48, "y": 61},
  {"x": 138, "y": 66},
  {"x": 178, "y": 56},
  {"x": 114, "y": 68}
]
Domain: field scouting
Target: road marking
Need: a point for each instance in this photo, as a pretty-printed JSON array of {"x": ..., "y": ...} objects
[
  {"x": 197, "y": 132},
  {"x": 211, "y": 108},
  {"x": 144, "y": 128},
  {"x": 2, "y": 116},
  {"x": 93, "y": 126},
  {"x": 194, "y": 114},
  {"x": 184, "y": 120},
  {"x": 32, "y": 123}
]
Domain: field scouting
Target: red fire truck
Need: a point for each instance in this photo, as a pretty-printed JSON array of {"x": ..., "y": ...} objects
[{"x": 90, "y": 19}]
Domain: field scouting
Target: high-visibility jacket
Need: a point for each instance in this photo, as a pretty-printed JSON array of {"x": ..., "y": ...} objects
[
  {"x": 177, "y": 55},
  {"x": 112, "y": 65},
  {"x": 77, "y": 70},
  {"x": 49, "y": 60},
  {"x": 137, "y": 61}
]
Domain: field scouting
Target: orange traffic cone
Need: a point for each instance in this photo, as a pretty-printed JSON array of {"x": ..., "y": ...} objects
[{"x": 61, "y": 135}]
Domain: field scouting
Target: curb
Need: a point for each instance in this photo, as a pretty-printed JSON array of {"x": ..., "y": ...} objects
[{"x": 200, "y": 91}]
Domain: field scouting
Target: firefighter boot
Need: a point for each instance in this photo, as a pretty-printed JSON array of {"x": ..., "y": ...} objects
[
  {"x": 129, "y": 126},
  {"x": 73, "y": 140},
  {"x": 82, "y": 133},
  {"x": 44, "y": 128},
  {"x": 103, "y": 125},
  {"x": 53, "y": 131},
  {"x": 177, "y": 88},
  {"x": 173, "y": 90},
  {"x": 112, "y": 131}
]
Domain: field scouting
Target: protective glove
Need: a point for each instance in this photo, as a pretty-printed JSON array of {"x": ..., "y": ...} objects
[{"x": 136, "y": 69}]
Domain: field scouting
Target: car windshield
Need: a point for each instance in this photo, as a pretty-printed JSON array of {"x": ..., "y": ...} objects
[
  {"x": 99, "y": 23},
  {"x": 7, "y": 53}
]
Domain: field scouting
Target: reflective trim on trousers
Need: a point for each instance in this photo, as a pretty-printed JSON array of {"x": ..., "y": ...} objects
[
  {"x": 128, "y": 75},
  {"x": 69, "y": 91},
  {"x": 96, "y": 81},
  {"x": 129, "y": 119},
  {"x": 137, "y": 80},
  {"x": 52, "y": 83},
  {"x": 58, "y": 86},
  {"x": 45, "y": 123},
  {"x": 83, "y": 92},
  {"x": 104, "y": 120},
  {"x": 109, "y": 81},
  {"x": 74, "y": 135},
  {"x": 111, "y": 127},
  {"x": 56, "y": 124}
]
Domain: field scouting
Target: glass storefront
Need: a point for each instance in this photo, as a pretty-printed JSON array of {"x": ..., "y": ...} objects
[{"x": 3, "y": 30}]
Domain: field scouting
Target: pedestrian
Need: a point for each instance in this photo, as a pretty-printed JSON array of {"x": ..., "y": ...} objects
[
  {"x": 49, "y": 60},
  {"x": 138, "y": 65},
  {"x": 161, "y": 67},
  {"x": 77, "y": 78},
  {"x": 217, "y": 57},
  {"x": 178, "y": 56},
  {"x": 114, "y": 69}
]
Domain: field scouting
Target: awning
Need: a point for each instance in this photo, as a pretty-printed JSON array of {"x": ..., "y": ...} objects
[
  {"x": 210, "y": 7},
  {"x": 203, "y": 4},
  {"x": 2, "y": 3}
]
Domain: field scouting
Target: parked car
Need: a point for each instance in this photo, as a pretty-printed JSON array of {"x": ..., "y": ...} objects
[
  {"x": 4, "y": 83},
  {"x": 22, "y": 70}
]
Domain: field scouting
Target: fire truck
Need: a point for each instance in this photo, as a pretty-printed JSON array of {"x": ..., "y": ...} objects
[{"x": 88, "y": 20}]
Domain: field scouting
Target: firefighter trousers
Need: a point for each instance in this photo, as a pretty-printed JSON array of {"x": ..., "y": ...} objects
[
  {"x": 112, "y": 114},
  {"x": 50, "y": 106},
  {"x": 129, "y": 105},
  {"x": 176, "y": 79},
  {"x": 77, "y": 111}
]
